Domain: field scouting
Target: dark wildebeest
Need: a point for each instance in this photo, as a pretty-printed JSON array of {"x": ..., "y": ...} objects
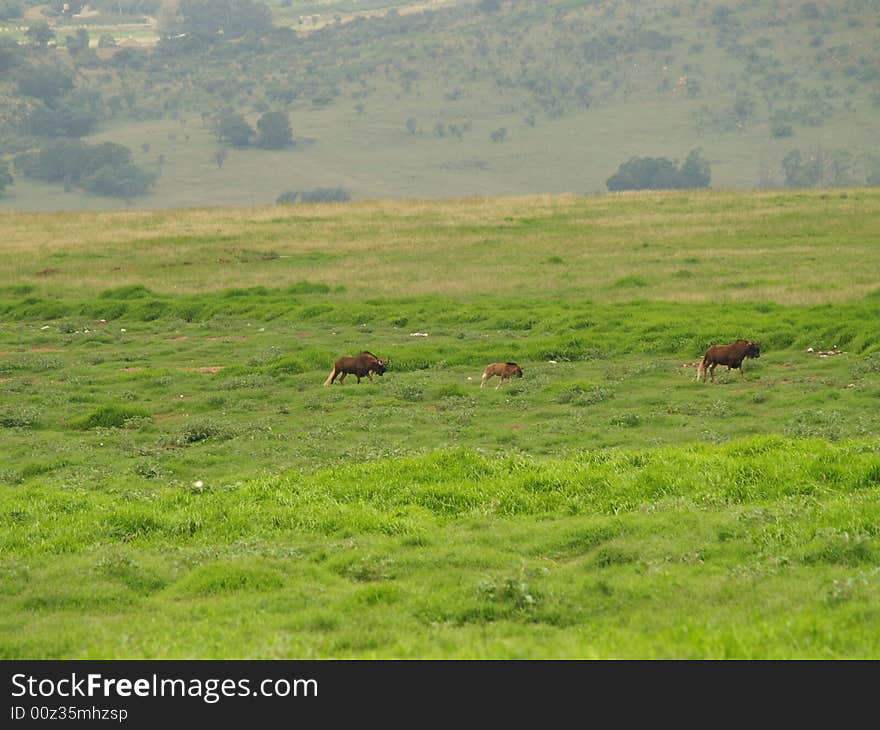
[
  {"x": 360, "y": 365},
  {"x": 730, "y": 355},
  {"x": 503, "y": 370}
]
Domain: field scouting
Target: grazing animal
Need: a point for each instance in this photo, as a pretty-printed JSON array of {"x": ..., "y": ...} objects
[
  {"x": 360, "y": 365},
  {"x": 503, "y": 370},
  {"x": 730, "y": 355}
]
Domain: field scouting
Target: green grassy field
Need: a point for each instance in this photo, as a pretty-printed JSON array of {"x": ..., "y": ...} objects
[{"x": 176, "y": 482}]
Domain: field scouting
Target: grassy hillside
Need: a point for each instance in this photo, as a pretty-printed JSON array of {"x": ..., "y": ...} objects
[
  {"x": 176, "y": 482},
  {"x": 405, "y": 104}
]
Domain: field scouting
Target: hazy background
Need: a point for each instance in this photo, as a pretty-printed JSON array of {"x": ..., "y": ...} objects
[{"x": 238, "y": 102}]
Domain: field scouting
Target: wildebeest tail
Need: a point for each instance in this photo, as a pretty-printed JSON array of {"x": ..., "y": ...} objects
[{"x": 330, "y": 377}]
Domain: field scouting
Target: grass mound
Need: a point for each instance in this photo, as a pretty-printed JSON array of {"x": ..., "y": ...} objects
[{"x": 110, "y": 416}]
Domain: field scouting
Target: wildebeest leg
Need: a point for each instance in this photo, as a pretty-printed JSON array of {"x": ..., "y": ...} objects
[
  {"x": 500, "y": 381},
  {"x": 370, "y": 376},
  {"x": 342, "y": 377},
  {"x": 357, "y": 375},
  {"x": 742, "y": 370},
  {"x": 712, "y": 370},
  {"x": 486, "y": 376}
]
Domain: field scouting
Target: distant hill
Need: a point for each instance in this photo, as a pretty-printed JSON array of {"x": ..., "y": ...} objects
[{"x": 450, "y": 99}]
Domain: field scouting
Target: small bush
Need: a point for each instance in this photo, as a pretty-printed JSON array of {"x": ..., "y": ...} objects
[
  {"x": 869, "y": 364},
  {"x": 369, "y": 569},
  {"x": 582, "y": 394},
  {"x": 411, "y": 393},
  {"x": 111, "y": 416},
  {"x": 630, "y": 281},
  {"x": 202, "y": 430},
  {"x": 19, "y": 418},
  {"x": 133, "y": 291},
  {"x": 609, "y": 555},
  {"x": 511, "y": 591},
  {"x": 627, "y": 420},
  {"x": 451, "y": 390}
]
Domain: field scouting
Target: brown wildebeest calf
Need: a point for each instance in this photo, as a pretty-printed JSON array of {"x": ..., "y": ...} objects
[
  {"x": 730, "y": 355},
  {"x": 503, "y": 370},
  {"x": 359, "y": 366}
]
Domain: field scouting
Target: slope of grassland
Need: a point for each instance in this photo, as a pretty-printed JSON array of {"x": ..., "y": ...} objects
[
  {"x": 542, "y": 96},
  {"x": 175, "y": 482}
]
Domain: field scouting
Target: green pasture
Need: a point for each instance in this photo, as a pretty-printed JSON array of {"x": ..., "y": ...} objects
[
  {"x": 764, "y": 548},
  {"x": 175, "y": 481}
]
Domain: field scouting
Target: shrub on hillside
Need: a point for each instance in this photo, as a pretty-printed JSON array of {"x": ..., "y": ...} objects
[
  {"x": 5, "y": 177},
  {"x": 315, "y": 195}
]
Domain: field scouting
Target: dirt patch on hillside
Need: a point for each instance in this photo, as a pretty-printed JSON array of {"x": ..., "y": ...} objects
[{"x": 206, "y": 369}]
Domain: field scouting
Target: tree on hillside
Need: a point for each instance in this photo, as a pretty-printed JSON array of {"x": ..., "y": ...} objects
[
  {"x": 40, "y": 34},
  {"x": 644, "y": 173},
  {"x": 56, "y": 162},
  {"x": 120, "y": 181},
  {"x": 10, "y": 55},
  {"x": 5, "y": 176},
  {"x": 213, "y": 20},
  {"x": 10, "y": 9},
  {"x": 105, "y": 169},
  {"x": 695, "y": 171},
  {"x": 873, "y": 177},
  {"x": 659, "y": 173},
  {"x": 274, "y": 131},
  {"x": 234, "y": 129},
  {"x": 128, "y": 58},
  {"x": 818, "y": 168},
  {"x": 77, "y": 42},
  {"x": 46, "y": 82},
  {"x": 76, "y": 116}
]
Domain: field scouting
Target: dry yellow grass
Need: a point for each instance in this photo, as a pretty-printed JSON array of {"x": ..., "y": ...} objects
[{"x": 789, "y": 248}]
